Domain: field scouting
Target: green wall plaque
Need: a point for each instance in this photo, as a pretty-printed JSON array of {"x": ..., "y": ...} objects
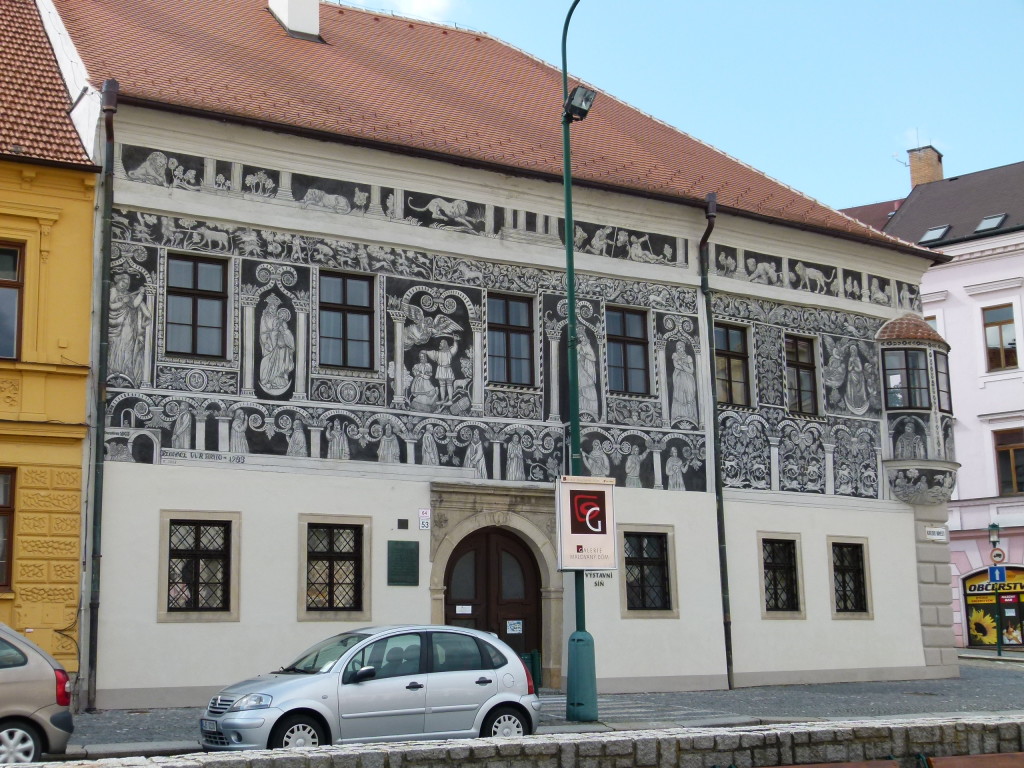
[{"x": 403, "y": 563}]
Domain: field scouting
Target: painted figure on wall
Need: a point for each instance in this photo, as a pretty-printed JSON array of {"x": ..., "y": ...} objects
[
  {"x": 239, "y": 443},
  {"x": 388, "y": 452},
  {"x": 337, "y": 441},
  {"x": 428, "y": 450},
  {"x": 423, "y": 393},
  {"x": 910, "y": 445},
  {"x": 674, "y": 468},
  {"x": 444, "y": 356},
  {"x": 181, "y": 435},
  {"x": 597, "y": 460},
  {"x": 297, "y": 441},
  {"x": 475, "y": 457},
  {"x": 514, "y": 467},
  {"x": 633, "y": 463},
  {"x": 278, "y": 346},
  {"x": 129, "y": 317},
  {"x": 850, "y": 379},
  {"x": 684, "y": 387},
  {"x": 587, "y": 376}
]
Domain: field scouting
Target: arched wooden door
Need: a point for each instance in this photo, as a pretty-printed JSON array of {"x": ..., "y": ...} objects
[{"x": 492, "y": 583}]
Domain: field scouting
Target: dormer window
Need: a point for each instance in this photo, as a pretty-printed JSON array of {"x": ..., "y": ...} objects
[
  {"x": 991, "y": 222},
  {"x": 934, "y": 233}
]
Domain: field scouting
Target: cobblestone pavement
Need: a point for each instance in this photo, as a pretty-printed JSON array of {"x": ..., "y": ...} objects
[{"x": 989, "y": 685}]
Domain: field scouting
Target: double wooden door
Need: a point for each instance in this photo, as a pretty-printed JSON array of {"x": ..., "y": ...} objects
[{"x": 492, "y": 583}]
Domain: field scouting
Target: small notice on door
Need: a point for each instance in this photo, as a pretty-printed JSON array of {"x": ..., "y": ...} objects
[
  {"x": 463, "y": 610},
  {"x": 514, "y": 627}
]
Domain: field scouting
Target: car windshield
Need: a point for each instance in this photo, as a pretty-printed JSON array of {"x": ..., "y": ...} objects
[{"x": 321, "y": 657}]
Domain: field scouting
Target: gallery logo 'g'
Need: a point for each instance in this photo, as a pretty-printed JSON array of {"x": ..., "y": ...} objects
[{"x": 588, "y": 512}]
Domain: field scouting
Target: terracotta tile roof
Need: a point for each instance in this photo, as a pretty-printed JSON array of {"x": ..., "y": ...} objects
[
  {"x": 416, "y": 86},
  {"x": 909, "y": 328},
  {"x": 33, "y": 99},
  {"x": 875, "y": 215}
]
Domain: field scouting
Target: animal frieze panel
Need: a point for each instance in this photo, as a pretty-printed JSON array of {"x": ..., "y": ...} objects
[
  {"x": 628, "y": 244},
  {"x": 754, "y": 267},
  {"x": 816, "y": 278},
  {"x": 435, "y": 347},
  {"x": 851, "y": 377},
  {"x": 446, "y": 213},
  {"x": 853, "y": 285},
  {"x": 880, "y": 290},
  {"x": 322, "y": 194},
  {"x": 162, "y": 169}
]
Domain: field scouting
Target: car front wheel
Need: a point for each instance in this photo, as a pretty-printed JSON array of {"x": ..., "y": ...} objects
[
  {"x": 505, "y": 721},
  {"x": 19, "y": 743},
  {"x": 297, "y": 731}
]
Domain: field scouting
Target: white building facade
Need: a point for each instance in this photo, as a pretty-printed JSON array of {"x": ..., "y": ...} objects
[{"x": 336, "y": 397}]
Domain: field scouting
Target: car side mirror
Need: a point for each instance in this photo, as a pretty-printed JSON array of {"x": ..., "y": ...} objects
[{"x": 361, "y": 674}]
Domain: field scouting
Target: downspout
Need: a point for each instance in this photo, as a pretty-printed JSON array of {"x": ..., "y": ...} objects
[
  {"x": 723, "y": 560},
  {"x": 110, "y": 89}
]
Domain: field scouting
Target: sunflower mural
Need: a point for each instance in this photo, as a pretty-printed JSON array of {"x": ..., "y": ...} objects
[{"x": 983, "y": 627}]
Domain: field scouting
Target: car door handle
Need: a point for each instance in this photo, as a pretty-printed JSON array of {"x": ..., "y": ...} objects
[
  {"x": 414, "y": 686},
  {"x": 484, "y": 681}
]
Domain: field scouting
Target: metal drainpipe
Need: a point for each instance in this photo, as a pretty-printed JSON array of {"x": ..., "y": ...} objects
[
  {"x": 110, "y": 90},
  {"x": 723, "y": 561}
]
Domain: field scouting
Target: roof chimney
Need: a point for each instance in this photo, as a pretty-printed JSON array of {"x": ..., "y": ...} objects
[
  {"x": 925, "y": 165},
  {"x": 301, "y": 18}
]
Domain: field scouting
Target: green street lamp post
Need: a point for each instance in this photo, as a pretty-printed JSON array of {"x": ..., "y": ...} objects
[{"x": 581, "y": 684}]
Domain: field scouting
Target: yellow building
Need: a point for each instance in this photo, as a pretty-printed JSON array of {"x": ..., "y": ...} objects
[{"x": 47, "y": 199}]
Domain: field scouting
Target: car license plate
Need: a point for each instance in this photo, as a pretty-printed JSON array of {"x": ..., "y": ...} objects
[{"x": 208, "y": 726}]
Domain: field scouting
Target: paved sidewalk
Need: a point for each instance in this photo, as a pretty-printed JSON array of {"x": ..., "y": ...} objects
[{"x": 988, "y": 685}]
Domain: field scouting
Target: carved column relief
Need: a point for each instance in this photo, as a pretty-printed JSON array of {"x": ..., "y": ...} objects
[
  {"x": 662, "y": 384},
  {"x": 554, "y": 412},
  {"x": 773, "y": 442},
  {"x": 830, "y": 475},
  {"x": 248, "y": 345},
  {"x": 398, "y": 397}
]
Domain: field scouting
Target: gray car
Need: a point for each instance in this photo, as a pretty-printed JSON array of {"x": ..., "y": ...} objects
[
  {"x": 34, "y": 698},
  {"x": 379, "y": 684}
]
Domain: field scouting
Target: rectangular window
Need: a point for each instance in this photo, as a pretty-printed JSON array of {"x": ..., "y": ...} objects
[
  {"x": 346, "y": 321},
  {"x": 942, "y": 382},
  {"x": 933, "y": 322},
  {"x": 6, "y": 525},
  {"x": 781, "y": 579},
  {"x": 906, "y": 378},
  {"x": 334, "y": 567},
  {"x": 197, "y": 303},
  {"x": 1000, "y": 337},
  {"x": 647, "y": 572},
  {"x": 731, "y": 365},
  {"x": 627, "y": 351},
  {"x": 199, "y": 566},
  {"x": 11, "y": 259},
  {"x": 848, "y": 578},
  {"x": 801, "y": 377},
  {"x": 1010, "y": 460},
  {"x": 509, "y": 340}
]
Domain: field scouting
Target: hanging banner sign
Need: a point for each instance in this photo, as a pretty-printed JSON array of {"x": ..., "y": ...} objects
[{"x": 586, "y": 524}]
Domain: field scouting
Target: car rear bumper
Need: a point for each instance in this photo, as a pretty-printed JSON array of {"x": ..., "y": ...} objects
[{"x": 57, "y": 724}]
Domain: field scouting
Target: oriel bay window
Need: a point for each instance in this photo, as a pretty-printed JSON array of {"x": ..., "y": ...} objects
[
  {"x": 906, "y": 378},
  {"x": 346, "y": 321},
  {"x": 509, "y": 340},
  {"x": 627, "y": 351},
  {"x": 196, "y": 306}
]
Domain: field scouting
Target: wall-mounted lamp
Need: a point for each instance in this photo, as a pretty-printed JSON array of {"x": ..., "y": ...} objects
[{"x": 993, "y": 534}]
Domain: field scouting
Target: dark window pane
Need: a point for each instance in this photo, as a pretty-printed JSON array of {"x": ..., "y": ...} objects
[
  {"x": 179, "y": 338},
  {"x": 519, "y": 313},
  {"x": 180, "y": 273},
  {"x": 635, "y": 326},
  {"x": 209, "y": 341},
  {"x": 999, "y": 314},
  {"x": 614, "y": 320},
  {"x": 359, "y": 293},
  {"x": 359, "y": 354},
  {"x": 8, "y": 321},
  {"x": 359, "y": 327},
  {"x": 330, "y": 289},
  {"x": 211, "y": 277},
  {"x": 9, "y": 264},
  {"x": 210, "y": 313},
  {"x": 330, "y": 324},
  {"x": 513, "y": 583},
  {"x": 464, "y": 577},
  {"x": 496, "y": 311}
]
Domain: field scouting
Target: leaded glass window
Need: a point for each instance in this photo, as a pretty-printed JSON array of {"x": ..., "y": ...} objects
[
  {"x": 647, "y": 572},
  {"x": 199, "y": 566},
  {"x": 848, "y": 575},
  {"x": 334, "y": 567},
  {"x": 781, "y": 587}
]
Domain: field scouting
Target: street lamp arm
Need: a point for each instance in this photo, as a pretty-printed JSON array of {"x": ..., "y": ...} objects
[{"x": 565, "y": 34}]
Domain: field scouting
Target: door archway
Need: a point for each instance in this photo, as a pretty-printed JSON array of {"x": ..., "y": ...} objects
[{"x": 492, "y": 583}]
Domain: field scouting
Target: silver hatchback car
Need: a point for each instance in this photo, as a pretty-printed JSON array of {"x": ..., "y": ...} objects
[
  {"x": 34, "y": 700},
  {"x": 379, "y": 684}
]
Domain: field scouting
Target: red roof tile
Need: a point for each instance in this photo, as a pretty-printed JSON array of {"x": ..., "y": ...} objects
[
  {"x": 908, "y": 328},
  {"x": 413, "y": 86},
  {"x": 33, "y": 99}
]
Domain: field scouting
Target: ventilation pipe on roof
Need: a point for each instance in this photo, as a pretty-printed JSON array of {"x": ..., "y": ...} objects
[
  {"x": 710, "y": 212},
  {"x": 301, "y": 18}
]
